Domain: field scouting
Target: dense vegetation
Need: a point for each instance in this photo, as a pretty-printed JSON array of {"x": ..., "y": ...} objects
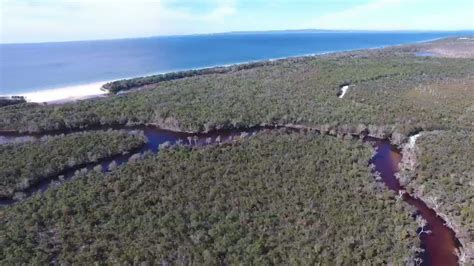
[
  {"x": 275, "y": 198},
  {"x": 127, "y": 84},
  {"x": 24, "y": 164},
  {"x": 389, "y": 92},
  {"x": 5, "y": 101},
  {"x": 444, "y": 178}
]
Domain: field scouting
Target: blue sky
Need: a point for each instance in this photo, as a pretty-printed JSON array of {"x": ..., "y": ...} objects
[{"x": 65, "y": 20}]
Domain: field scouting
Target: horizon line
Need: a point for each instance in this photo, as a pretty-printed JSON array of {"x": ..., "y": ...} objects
[{"x": 240, "y": 32}]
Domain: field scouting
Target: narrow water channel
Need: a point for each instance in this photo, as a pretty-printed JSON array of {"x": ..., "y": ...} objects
[
  {"x": 155, "y": 138},
  {"x": 439, "y": 245}
]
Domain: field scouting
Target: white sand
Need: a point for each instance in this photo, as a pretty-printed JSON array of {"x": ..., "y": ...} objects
[
  {"x": 344, "y": 90},
  {"x": 66, "y": 94},
  {"x": 412, "y": 141}
]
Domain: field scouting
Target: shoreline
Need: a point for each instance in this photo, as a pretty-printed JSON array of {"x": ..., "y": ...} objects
[
  {"x": 71, "y": 93},
  {"x": 76, "y": 92},
  {"x": 65, "y": 94}
]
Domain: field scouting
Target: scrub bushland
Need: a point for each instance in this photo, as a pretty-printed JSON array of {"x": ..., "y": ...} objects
[
  {"x": 391, "y": 94},
  {"x": 25, "y": 164},
  {"x": 274, "y": 198},
  {"x": 443, "y": 177}
]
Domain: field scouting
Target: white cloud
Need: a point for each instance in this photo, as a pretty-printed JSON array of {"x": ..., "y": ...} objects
[
  {"x": 222, "y": 11},
  {"x": 356, "y": 17},
  {"x": 57, "y": 20},
  {"x": 400, "y": 15}
]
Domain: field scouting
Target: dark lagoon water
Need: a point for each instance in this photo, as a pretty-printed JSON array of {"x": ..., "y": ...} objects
[{"x": 33, "y": 67}]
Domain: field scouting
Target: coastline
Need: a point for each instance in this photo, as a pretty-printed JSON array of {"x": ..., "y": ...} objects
[
  {"x": 70, "y": 93},
  {"x": 64, "y": 94}
]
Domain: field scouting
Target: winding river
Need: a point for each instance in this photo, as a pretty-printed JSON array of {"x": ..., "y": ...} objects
[{"x": 439, "y": 245}]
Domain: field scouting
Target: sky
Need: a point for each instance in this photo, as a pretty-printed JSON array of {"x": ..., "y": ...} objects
[{"x": 25, "y": 21}]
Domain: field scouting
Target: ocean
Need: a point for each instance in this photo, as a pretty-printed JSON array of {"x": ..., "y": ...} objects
[{"x": 42, "y": 66}]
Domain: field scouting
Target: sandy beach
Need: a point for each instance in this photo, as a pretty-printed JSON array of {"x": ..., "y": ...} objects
[{"x": 66, "y": 94}]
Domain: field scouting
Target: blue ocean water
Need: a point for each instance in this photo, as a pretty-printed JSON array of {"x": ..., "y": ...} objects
[{"x": 33, "y": 67}]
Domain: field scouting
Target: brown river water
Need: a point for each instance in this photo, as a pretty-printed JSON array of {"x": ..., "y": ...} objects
[{"x": 439, "y": 245}]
